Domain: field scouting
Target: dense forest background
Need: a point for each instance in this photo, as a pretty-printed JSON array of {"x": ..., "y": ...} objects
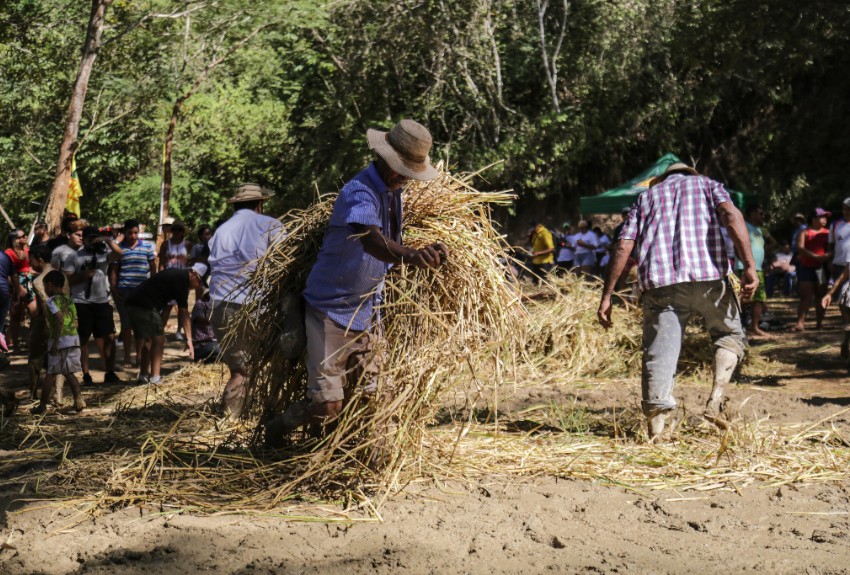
[{"x": 572, "y": 97}]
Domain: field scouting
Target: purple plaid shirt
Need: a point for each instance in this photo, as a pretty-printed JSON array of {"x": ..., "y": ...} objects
[{"x": 677, "y": 231}]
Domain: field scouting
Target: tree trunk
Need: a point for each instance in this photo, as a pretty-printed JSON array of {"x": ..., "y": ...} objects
[
  {"x": 175, "y": 116},
  {"x": 59, "y": 190}
]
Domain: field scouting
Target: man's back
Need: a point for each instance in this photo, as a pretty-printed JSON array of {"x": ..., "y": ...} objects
[
  {"x": 236, "y": 245},
  {"x": 678, "y": 232}
]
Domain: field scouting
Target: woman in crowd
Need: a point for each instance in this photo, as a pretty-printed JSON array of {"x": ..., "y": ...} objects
[
  {"x": 23, "y": 299},
  {"x": 812, "y": 275}
]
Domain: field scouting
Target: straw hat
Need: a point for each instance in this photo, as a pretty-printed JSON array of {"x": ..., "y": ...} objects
[
  {"x": 250, "y": 193},
  {"x": 405, "y": 148},
  {"x": 677, "y": 167}
]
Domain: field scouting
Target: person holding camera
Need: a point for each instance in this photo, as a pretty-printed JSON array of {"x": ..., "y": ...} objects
[{"x": 86, "y": 269}]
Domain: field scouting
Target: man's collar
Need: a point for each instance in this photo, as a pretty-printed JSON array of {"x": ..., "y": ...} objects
[{"x": 375, "y": 180}]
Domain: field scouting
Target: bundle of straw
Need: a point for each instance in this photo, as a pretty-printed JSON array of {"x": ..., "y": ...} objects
[{"x": 434, "y": 321}]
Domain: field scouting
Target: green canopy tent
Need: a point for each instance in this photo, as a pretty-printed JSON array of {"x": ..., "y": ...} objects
[{"x": 613, "y": 201}]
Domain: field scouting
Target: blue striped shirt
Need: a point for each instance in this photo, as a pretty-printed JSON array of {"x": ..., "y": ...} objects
[
  {"x": 135, "y": 264},
  {"x": 345, "y": 280}
]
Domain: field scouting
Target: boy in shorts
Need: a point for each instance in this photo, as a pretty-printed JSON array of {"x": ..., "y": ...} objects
[{"x": 63, "y": 351}]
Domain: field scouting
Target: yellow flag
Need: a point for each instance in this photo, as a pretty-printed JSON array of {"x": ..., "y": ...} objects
[{"x": 75, "y": 191}]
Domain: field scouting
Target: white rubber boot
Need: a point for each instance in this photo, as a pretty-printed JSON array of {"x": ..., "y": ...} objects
[
  {"x": 655, "y": 423},
  {"x": 724, "y": 366}
]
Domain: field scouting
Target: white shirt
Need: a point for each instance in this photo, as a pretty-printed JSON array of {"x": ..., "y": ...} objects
[
  {"x": 839, "y": 234},
  {"x": 602, "y": 243},
  {"x": 234, "y": 250},
  {"x": 588, "y": 237}
]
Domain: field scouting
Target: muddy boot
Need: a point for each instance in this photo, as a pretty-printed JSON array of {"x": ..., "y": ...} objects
[
  {"x": 655, "y": 423},
  {"x": 724, "y": 366},
  {"x": 279, "y": 428}
]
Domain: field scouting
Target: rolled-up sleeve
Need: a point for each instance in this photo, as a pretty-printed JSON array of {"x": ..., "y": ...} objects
[
  {"x": 364, "y": 208},
  {"x": 630, "y": 228},
  {"x": 719, "y": 195}
]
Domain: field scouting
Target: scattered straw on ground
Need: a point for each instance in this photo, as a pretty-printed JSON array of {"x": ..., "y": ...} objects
[{"x": 454, "y": 339}]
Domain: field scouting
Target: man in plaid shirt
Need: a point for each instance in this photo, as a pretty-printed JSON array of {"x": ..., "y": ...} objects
[{"x": 682, "y": 269}]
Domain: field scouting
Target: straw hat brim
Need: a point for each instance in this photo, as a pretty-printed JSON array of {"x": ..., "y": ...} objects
[
  {"x": 676, "y": 168},
  {"x": 423, "y": 171},
  {"x": 249, "y": 198}
]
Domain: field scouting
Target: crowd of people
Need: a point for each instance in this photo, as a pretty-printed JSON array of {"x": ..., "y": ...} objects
[
  {"x": 575, "y": 249},
  {"x": 69, "y": 287}
]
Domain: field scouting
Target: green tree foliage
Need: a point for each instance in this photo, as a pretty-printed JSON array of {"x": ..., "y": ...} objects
[{"x": 754, "y": 92}]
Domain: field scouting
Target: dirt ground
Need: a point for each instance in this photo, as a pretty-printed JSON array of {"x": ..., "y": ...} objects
[{"x": 500, "y": 525}]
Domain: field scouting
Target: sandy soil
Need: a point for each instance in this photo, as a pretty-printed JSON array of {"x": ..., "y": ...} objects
[{"x": 498, "y": 525}]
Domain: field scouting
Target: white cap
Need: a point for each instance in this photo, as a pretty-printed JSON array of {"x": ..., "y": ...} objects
[{"x": 201, "y": 270}]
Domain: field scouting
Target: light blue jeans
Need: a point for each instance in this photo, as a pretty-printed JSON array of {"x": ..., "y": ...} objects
[{"x": 666, "y": 311}]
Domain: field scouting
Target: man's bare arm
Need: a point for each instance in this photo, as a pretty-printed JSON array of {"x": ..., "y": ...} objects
[
  {"x": 383, "y": 248},
  {"x": 731, "y": 218},
  {"x": 615, "y": 269}
]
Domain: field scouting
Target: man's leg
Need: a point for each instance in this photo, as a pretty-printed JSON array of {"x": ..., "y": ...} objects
[
  {"x": 664, "y": 322},
  {"x": 157, "y": 348},
  {"x": 328, "y": 349},
  {"x": 233, "y": 396},
  {"x": 719, "y": 306},
  {"x": 144, "y": 346}
]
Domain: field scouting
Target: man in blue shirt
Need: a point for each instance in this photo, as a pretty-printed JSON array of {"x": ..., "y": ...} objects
[{"x": 362, "y": 242}]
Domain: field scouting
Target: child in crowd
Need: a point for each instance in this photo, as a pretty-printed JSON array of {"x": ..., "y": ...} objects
[
  {"x": 206, "y": 345},
  {"x": 63, "y": 351}
]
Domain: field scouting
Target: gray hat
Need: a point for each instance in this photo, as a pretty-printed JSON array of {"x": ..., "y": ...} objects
[
  {"x": 846, "y": 203},
  {"x": 250, "y": 193}
]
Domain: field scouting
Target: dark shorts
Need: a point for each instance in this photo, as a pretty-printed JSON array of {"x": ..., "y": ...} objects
[
  {"x": 807, "y": 274},
  {"x": 94, "y": 319},
  {"x": 146, "y": 322},
  {"x": 122, "y": 307},
  {"x": 207, "y": 351},
  {"x": 5, "y": 304}
]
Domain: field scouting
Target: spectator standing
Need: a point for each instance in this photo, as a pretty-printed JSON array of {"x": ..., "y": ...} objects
[
  {"x": 63, "y": 352},
  {"x": 39, "y": 329},
  {"x": 234, "y": 249},
  {"x": 682, "y": 269},
  {"x": 813, "y": 253},
  {"x": 91, "y": 298},
  {"x": 23, "y": 301},
  {"x": 585, "y": 248},
  {"x": 143, "y": 311},
  {"x": 566, "y": 253},
  {"x": 174, "y": 255},
  {"x": 798, "y": 221},
  {"x": 760, "y": 239},
  {"x": 8, "y": 286},
  {"x": 603, "y": 243},
  {"x": 137, "y": 263},
  {"x": 39, "y": 234},
  {"x": 839, "y": 241},
  {"x": 542, "y": 251},
  {"x": 201, "y": 250}
]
